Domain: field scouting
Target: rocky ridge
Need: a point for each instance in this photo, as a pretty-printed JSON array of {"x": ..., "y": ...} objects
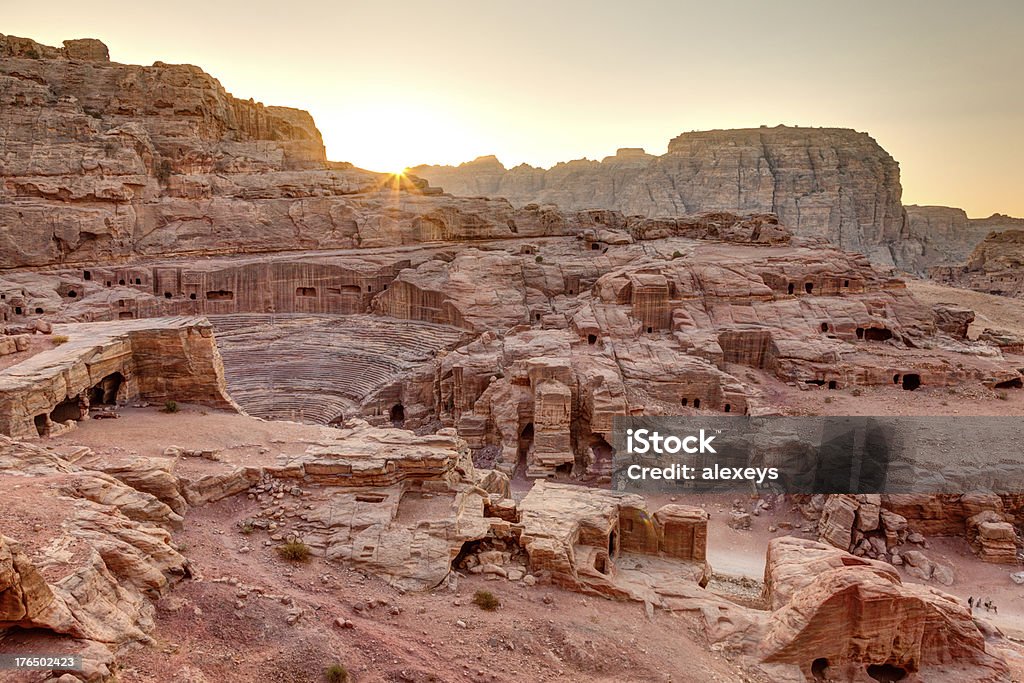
[{"x": 831, "y": 183}]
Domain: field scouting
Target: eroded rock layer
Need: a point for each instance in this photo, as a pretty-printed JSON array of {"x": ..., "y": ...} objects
[
  {"x": 995, "y": 266},
  {"x": 833, "y": 183}
]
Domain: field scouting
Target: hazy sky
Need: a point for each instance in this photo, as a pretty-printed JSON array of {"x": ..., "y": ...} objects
[{"x": 939, "y": 83}]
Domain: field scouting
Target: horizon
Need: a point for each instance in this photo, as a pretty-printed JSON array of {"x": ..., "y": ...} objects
[{"x": 938, "y": 89}]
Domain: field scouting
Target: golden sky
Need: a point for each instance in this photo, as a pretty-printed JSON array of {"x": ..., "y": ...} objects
[{"x": 939, "y": 84}]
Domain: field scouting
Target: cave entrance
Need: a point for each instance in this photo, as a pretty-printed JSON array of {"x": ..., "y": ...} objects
[
  {"x": 818, "y": 667},
  {"x": 397, "y": 415},
  {"x": 911, "y": 381},
  {"x": 808, "y": 287},
  {"x": 1014, "y": 383},
  {"x": 886, "y": 672},
  {"x": 525, "y": 444},
  {"x": 860, "y": 333},
  {"x": 613, "y": 543},
  {"x": 564, "y": 469},
  {"x": 877, "y": 334},
  {"x": 68, "y": 409},
  {"x": 40, "y": 421},
  {"x": 696, "y": 403},
  {"x": 791, "y": 288},
  {"x": 601, "y": 451},
  {"x": 591, "y": 339},
  {"x": 105, "y": 391}
]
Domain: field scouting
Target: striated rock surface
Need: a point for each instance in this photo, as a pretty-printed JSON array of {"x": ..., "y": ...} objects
[
  {"x": 832, "y": 183},
  {"x": 81, "y": 555},
  {"x": 944, "y": 236},
  {"x": 995, "y": 266},
  {"x": 162, "y": 360},
  {"x": 840, "y": 618}
]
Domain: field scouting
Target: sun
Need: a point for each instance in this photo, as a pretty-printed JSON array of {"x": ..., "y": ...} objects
[{"x": 392, "y": 136}]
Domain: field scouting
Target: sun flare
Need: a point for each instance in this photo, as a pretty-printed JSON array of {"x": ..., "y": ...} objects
[{"x": 393, "y": 136}]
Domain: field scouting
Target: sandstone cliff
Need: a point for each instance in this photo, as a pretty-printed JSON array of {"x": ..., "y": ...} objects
[
  {"x": 827, "y": 182},
  {"x": 995, "y": 266},
  {"x": 99, "y": 160},
  {"x": 942, "y": 235}
]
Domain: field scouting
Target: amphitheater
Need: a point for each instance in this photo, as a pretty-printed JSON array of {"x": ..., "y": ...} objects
[{"x": 321, "y": 369}]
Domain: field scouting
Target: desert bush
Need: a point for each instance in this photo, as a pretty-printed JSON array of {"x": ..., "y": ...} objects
[
  {"x": 294, "y": 551},
  {"x": 486, "y": 601},
  {"x": 170, "y": 406},
  {"x": 857, "y": 391},
  {"x": 59, "y": 339},
  {"x": 336, "y": 673}
]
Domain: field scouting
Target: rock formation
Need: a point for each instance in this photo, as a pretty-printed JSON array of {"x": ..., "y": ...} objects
[
  {"x": 175, "y": 360},
  {"x": 88, "y": 554},
  {"x": 892, "y": 526},
  {"x": 944, "y": 236},
  {"x": 995, "y": 266},
  {"x": 439, "y": 345},
  {"x": 839, "y": 618},
  {"x": 831, "y": 183}
]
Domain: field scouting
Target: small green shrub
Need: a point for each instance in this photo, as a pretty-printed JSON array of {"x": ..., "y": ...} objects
[
  {"x": 1002, "y": 396},
  {"x": 486, "y": 601},
  {"x": 539, "y": 259},
  {"x": 677, "y": 254},
  {"x": 248, "y": 528},
  {"x": 336, "y": 673},
  {"x": 828, "y": 399},
  {"x": 294, "y": 551},
  {"x": 857, "y": 391},
  {"x": 59, "y": 339},
  {"x": 170, "y": 406}
]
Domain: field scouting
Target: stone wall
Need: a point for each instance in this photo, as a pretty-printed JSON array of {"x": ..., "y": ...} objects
[{"x": 154, "y": 360}]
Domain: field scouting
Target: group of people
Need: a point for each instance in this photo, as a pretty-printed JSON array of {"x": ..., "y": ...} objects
[{"x": 977, "y": 603}]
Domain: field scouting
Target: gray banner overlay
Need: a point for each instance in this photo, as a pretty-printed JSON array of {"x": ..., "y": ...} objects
[
  {"x": 818, "y": 454},
  {"x": 40, "y": 662}
]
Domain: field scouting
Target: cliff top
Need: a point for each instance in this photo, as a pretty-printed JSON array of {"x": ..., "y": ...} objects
[{"x": 82, "y": 49}]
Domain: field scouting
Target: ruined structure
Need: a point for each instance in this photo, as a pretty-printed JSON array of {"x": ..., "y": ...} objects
[
  {"x": 892, "y": 527},
  {"x": 107, "y": 365}
]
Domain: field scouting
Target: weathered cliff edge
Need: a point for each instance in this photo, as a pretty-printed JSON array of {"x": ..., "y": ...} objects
[{"x": 834, "y": 183}]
